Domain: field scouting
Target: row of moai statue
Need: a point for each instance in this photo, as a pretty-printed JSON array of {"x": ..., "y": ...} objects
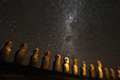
[{"x": 20, "y": 54}]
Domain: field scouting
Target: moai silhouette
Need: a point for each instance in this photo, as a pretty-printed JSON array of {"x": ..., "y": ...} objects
[
  {"x": 46, "y": 60},
  {"x": 99, "y": 70},
  {"x": 6, "y": 51},
  {"x": 107, "y": 77},
  {"x": 20, "y": 54},
  {"x": 112, "y": 74},
  {"x": 34, "y": 58},
  {"x": 75, "y": 67},
  {"x": 91, "y": 71},
  {"x": 83, "y": 69},
  {"x": 118, "y": 72},
  {"x": 57, "y": 63},
  {"x": 66, "y": 65}
]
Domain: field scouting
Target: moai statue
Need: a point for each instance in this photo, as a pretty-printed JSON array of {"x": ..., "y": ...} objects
[
  {"x": 112, "y": 74},
  {"x": 118, "y": 72},
  {"x": 34, "y": 57},
  {"x": 57, "y": 63},
  {"x": 75, "y": 67},
  {"x": 20, "y": 54},
  {"x": 66, "y": 65},
  {"x": 107, "y": 77},
  {"x": 83, "y": 69},
  {"x": 46, "y": 60},
  {"x": 91, "y": 71},
  {"x": 6, "y": 51},
  {"x": 99, "y": 70}
]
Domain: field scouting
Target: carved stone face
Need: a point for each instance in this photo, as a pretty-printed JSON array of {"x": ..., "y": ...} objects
[
  {"x": 106, "y": 69},
  {"x": 83, "y": 62},
  {"x": 24, "y": 46},
  {"x": 84, "y": 65},
  {"x": 47, "y": 53},
  {"x": 75, "y": 61},
  {"x": 9, "y": 43},
  {"x": 66, "y": 60},
  {"x": 36, "y": 51},
  {"x": 112, "y": 71},
  {"x": 58, "y": 57},
  {"x": 99, "y": 64},
  {"x": 91, "y": 66}
]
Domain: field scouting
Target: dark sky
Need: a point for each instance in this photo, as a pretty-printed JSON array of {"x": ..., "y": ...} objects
[{"x": 84, "y": 29}]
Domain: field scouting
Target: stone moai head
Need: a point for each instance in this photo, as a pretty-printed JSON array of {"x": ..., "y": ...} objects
[
  {"x": 36, "y": 51},
  {"x": 118, "y": 68},
  {"x": 75, "y": 62},
  {"x": 83, "y": 63},
  {"x": 9, "y": 44},
  {"x": 112, "y": 71},
  {"x": 47, "y": 53},
  {"x": 99, "y": 64},
  {"x": 91, "y": 66},
  {"x": 66, "y": 60},
  {"x": 57, "y": 57},
  {"x": 24, "y": 46},
  {"x": 105, "y": 69}
]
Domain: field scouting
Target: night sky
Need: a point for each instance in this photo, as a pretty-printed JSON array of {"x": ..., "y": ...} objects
[{"x": 84, "y": 29}]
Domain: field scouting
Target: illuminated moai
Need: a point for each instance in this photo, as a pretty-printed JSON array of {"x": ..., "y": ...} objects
[
  {"x": 118, "y": 72},
  {"x": 57, "y": 63},
  {"x": 34, "y": 57},
  {"x": 83, "y": 69},
  {"x": 112, "y": 74},
  {"x": 46, "y": 60},
  {"x": 66, "y": 65},
  {"x": 75, "y": 67},
  {"x": 107, "y": 77},
  {"x": 6, "y": 51},
  {"x": 20, "y": 54},
  {"x": 91, "y": 71},
  {"x": 99, "y": 70}
]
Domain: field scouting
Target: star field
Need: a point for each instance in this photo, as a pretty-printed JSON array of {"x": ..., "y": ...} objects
[{"x": 84, "y": 29}]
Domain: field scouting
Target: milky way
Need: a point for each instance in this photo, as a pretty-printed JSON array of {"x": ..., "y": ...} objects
[{"x": 68, "y": 43}]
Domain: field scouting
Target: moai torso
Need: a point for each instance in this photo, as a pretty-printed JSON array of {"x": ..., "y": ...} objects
[
  {"x": 19, "y": 56},
  {"x": 34, "y": 57},
  {"x": 83, "y": 69},
  {"x": 118, "y": 72},
  {"x": 6, "y": 51},
  {"x": 91, "y": 71},
  {"x": 75, "y": 67},
  {"x": 66, "y": 65},
  {"x": 57, "y": 63},
  {"x": 99, "y": 70},
  {"x": 46, "y": 60},
  {"x": 112, "y": 74},
  {"x": 106, "y": 74}
]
